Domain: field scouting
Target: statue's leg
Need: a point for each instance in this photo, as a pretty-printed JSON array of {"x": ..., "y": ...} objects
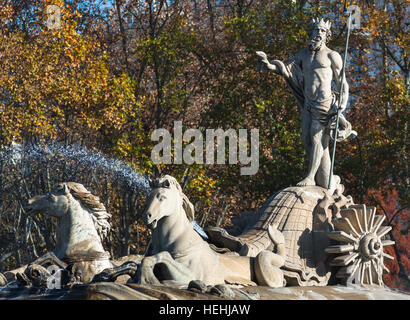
[
  {"x": 323, "y": 172},
  {"x": 316, "y": 153},
  {"x": 306, "y": 138},
  {"x": 162, "y": 266}
]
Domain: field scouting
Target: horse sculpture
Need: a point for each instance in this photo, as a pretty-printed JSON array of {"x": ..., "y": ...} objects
[
  {"x": 176, "y": 252},
  {"x": 82, "y": 224}
]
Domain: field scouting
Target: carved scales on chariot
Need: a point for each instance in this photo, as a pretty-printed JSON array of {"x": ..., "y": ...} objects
[{"x": 310, "y": 220}]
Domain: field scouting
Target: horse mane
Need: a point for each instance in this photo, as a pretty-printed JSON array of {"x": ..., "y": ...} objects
[
  {"x": 186, "y": 204},
  {"x": 94, "y": 206}
]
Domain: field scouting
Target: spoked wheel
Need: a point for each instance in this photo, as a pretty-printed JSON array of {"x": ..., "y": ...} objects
[{"x": 362, "y": 239}]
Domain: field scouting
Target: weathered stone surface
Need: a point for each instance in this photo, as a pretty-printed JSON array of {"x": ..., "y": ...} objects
[
  {"x": 115, "y": 291},
  {"x": 328, "y": 293}
]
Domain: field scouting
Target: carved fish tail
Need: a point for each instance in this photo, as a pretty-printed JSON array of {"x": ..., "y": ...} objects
[
  {"x": 267, "y": 264},
  {"x": 279, "y": 241}
]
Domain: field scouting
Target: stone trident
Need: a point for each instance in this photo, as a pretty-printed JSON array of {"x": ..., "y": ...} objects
[{"x": 339, "y": 110}]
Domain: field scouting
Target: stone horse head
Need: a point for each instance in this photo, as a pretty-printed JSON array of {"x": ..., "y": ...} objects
[
  {"x": 165, "y": 200},
  {"x": 82, "y": 224}
]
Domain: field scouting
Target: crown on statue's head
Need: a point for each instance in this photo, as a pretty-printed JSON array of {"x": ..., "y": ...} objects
[{"x": 321, "y": 23}]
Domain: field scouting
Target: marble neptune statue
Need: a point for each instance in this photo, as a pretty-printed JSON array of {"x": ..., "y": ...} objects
[{"x": 309, "y": 75}]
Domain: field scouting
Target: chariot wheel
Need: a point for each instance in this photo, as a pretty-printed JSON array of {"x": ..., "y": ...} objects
[{"x": 360, "y": 253}]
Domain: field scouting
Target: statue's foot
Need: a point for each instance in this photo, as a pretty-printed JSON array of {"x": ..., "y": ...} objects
[{"x": 306, "y": 182}]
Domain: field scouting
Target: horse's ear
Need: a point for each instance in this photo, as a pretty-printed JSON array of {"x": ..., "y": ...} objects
[{"x": 188, "y": 208}]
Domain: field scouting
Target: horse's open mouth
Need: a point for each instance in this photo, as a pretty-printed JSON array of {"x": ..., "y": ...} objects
[{"x": 153, "y": 224}]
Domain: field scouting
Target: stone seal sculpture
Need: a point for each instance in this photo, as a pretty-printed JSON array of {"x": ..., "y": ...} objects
[
  {"x": 177, "y": 252},
  {"x": 309, "y": 75}
]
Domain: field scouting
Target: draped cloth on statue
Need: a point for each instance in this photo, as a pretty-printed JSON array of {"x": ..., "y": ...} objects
[{"x": 325, "y": 113}]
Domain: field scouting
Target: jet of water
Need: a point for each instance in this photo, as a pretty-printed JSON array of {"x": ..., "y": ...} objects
[{"x": 71, "y": 159}]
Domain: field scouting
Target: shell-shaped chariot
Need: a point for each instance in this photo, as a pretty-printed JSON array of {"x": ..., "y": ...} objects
[{"x": 311, "y": 220}]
